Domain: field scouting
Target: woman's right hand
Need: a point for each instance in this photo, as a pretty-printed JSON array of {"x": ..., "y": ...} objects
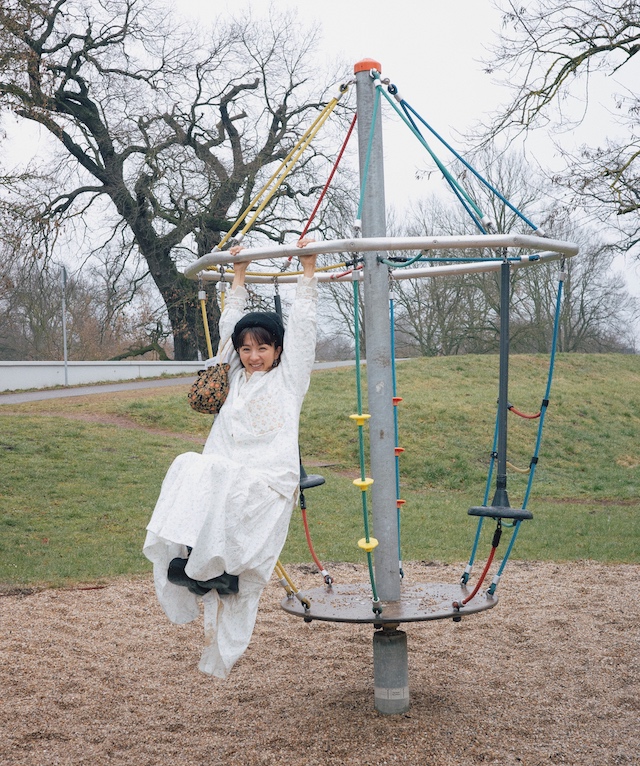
[{"x": 239, "y": 268}]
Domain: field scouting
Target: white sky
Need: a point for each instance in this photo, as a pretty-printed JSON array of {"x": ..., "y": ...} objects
[{"x": 430, "y": 51}]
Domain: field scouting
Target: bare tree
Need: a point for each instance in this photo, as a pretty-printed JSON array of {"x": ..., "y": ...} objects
[
  {"x": 103, "y": 320},
  {"x": 548, "y": 53},
  {"x": 336, "y": 308},
  {"x": 453, "y": 315},
  {"x": 597, "y": 312},
  {"x": 161, "y": 135},
  {"x": 441, "y": 316}
]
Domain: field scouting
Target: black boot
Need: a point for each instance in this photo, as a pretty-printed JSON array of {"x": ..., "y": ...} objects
[
  {"x": 225, "y": 584},
  {"x": 177, "y": 576}
]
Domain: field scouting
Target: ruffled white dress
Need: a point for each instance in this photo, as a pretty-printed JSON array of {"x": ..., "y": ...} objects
[{"x": 232, "y": 504}]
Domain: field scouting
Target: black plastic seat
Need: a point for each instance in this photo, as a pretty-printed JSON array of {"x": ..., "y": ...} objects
[
  {"x": 500, "y": 512},
  {"x": 311, "y": 480}
]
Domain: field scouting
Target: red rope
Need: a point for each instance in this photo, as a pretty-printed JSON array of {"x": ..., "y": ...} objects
[
  {"x": 482, "y": 576},
  {"x": 522, "y": 414},
  {"x": 331, "y": 175},
  {"x": 309, "y": 543},
  {"x": 344, "y": 273}
]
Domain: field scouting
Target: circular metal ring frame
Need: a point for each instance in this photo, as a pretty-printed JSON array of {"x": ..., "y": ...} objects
[{"x": 546, "y": 250}]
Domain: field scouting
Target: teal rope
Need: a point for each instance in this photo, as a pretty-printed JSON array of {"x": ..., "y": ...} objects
[
  {"x": 543, "y": 410},
  {"x": 367, "y": 160},
  {"x": 487, "y": 489},
  {"x": 365, "y": 510},
  {"x": 545, "y": 405},
  {"x": 461, "y": 199},
  {"x": 394, "y": 264},
  {"x": 450, "y": 179},
  {"x": 492, "y": 588},
  {"x": 420, "y": 258},
  {"x": 471, "y": 168},
  {"x": 492, "y": 463},
  {"x": 404, "y": 264},
  {"x": 356, "y": 325}
]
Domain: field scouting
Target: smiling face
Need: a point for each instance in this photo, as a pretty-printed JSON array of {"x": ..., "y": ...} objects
[{"x": 257, "y": 355}]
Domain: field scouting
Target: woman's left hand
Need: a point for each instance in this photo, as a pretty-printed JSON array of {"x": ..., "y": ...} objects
[{"x": 308, "y": 262}]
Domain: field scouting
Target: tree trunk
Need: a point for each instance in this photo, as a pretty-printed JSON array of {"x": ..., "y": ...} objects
[
  {"x": 183, "y": 307},
  {"x": 180, "y": 296}
]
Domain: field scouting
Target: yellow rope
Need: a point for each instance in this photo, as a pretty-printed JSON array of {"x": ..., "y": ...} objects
[
  {"x": 207, "y": 334},
  {"x": 518, "y": 470},
  {"x": 278, "y": 274},
  {"x": 280, "y": 181},
  {"x": 281, "y": 572},
  {"x": 282, "y": 579},
  {"x": 286, "y": 165}
]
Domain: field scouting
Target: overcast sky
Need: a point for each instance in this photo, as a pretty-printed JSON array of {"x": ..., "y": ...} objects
[
  {"x": 430, "y": 50},
  {"x": 433, "y": 51}
]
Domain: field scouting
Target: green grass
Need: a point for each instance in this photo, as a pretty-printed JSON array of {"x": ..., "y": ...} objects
[
  {"x": 76, "y": 498},
  {"x": 76, "y": 495}
]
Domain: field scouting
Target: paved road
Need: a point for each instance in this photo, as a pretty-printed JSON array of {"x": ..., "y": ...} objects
[{"x": 105, "y": 388}]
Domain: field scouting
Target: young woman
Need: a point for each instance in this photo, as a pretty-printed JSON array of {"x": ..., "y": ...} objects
[{"x": 222, "y": 517}]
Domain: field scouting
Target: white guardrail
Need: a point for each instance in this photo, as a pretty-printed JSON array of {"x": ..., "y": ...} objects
[{"x": 17, "y": 376}]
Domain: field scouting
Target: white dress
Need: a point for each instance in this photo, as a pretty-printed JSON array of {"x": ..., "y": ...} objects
[{"x": 232, "y": 504}]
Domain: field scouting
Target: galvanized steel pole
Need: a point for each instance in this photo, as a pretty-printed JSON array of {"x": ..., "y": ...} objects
[
  {"x": 390, "y": 645},
  {"x": 501, "y": 497},
  {"x": 378, "y": 348}
]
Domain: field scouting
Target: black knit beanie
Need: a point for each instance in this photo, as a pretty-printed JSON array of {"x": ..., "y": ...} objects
[{"x": 267, "y": 319}]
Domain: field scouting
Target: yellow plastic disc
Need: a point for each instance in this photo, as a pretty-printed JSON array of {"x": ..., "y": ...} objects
[
  {"x": 360, "y": 419},
  {"x": 369, "y": 545},
  {"x": 364, "y": 484}
]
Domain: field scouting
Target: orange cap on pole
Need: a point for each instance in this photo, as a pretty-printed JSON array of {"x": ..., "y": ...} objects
[{"x": 366, "y": 64}]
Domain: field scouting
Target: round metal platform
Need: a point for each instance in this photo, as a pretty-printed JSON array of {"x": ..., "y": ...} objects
[{"x": 419, "y": 602}]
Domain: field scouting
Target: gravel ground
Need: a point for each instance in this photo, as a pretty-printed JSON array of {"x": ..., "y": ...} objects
[{"x": 550, "y": 675}]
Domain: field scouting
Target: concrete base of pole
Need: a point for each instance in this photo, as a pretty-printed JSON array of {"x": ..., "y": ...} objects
[{"x": 391, "y": 671}]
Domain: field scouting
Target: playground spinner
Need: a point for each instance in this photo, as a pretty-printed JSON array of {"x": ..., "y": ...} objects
[{"x": 388, "y": 601}]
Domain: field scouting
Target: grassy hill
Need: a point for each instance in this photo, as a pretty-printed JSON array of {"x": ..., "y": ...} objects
[{"x": 81, "y": 475}]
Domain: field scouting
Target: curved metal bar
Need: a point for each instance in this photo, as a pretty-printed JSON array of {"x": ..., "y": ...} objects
[
  {"x": 462, "y": 242},
  {"x": 398, "y": 274}
]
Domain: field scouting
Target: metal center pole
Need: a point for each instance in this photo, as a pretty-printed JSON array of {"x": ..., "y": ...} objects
[
  {"x": 389, "y": 644},
  {"x": 501, "y": 497}
]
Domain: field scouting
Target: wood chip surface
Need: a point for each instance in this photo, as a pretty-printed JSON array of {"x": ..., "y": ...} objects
[{"x": 551, "y": 675}]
